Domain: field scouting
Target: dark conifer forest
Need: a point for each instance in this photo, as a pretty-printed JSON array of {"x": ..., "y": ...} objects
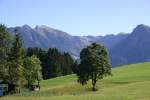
[{"x": 54, "y": 63}]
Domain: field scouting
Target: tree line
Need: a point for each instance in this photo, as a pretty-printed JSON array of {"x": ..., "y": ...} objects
[{"x": 53, "y": 62}]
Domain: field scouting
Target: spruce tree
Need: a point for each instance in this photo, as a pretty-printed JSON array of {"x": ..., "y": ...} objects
[
  {"x": 5, "y": 45},
  {"x": 68, "y": 63},
  {"x": 16, "y": 59}
]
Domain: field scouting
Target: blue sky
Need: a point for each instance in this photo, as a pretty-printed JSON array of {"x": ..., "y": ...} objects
[{"x": 77, "y": 17}]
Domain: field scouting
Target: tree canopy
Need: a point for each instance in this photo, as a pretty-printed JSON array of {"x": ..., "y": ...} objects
[
  {"x": 5, "y": 45},
  {"x": 94, "y": 64},
  {"x": 33, "y": 73},
  {"x": 16, "y": 59}
]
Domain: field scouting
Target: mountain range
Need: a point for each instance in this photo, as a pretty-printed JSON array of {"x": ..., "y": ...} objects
[{"x": 124, "y": 48}]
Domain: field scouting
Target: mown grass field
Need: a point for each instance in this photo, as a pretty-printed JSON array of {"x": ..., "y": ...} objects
[{"x": 129, "y": 82}]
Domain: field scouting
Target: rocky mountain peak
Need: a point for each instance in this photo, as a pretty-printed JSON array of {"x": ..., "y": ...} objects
[
  {"x": 141, "y": 30},
  {"x": 26, "y": 27},
  {"x": 44, "y": 27}
]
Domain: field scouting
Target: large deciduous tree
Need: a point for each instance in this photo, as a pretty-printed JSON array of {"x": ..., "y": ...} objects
[{"x": 94, "y": 64}]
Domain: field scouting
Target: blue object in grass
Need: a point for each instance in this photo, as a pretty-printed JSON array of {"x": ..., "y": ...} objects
[{"x": 1, "y": 93}]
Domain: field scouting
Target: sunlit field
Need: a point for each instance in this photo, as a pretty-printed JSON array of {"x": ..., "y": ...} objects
[{"x": 129, "y": 82}]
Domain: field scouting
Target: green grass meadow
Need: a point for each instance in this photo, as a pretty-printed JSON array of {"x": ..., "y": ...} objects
[{"x": 129, "y": 82}]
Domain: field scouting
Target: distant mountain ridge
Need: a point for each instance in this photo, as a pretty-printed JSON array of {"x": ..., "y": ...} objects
[
  {"x": 134, "y": 48},
  {"x": 46, "y": 37},
  {"x": 124, "y": 48}
]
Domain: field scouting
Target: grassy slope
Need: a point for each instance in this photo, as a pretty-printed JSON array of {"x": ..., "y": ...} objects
[{"x": 130, "y": 82}]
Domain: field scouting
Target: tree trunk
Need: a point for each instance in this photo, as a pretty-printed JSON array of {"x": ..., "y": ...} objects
[
  {"x": 94, "y": 87},
  {"x": 94, "y": 82},
  {"x": 39, "y": 85}
]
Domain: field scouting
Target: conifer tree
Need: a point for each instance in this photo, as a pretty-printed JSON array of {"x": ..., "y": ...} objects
[
  {"x": 5, "y": 45},
  {"x": 16, "y": 59},
  {"x": 68, "y": 63}
]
